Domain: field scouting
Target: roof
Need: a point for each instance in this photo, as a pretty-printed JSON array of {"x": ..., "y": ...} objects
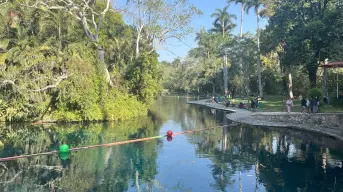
[{"x": 335, "y": 64}]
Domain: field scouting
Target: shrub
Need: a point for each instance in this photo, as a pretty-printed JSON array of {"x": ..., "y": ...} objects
[
  {"x": 338, "y": 103},
  {"x": 315, "y": 93}
]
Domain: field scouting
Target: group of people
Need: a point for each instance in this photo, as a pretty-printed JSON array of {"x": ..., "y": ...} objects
[{"x": 308, "y": 105}]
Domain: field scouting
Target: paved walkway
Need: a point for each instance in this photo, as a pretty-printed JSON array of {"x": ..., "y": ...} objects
[{"x": 261, "y": 119}]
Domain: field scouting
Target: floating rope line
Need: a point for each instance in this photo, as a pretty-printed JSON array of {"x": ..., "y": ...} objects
[{"x": 169, "y": 134}]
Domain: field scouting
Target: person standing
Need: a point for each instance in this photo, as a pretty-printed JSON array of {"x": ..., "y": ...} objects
[
  {"x": 289, "y": 104},
  {"x": 314, "y": 105},
  {"x": 308, "y": 105},
  {"x": 303, "y": 105}
]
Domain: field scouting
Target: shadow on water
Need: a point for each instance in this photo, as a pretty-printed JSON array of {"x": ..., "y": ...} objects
[{"x": 240, "y": 158}]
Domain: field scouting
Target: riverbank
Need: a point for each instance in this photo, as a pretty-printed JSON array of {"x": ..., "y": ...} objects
[{"x": 329, "y": 124}]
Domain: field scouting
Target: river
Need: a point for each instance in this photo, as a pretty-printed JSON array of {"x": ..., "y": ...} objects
[{"x": 235, "y": 158}]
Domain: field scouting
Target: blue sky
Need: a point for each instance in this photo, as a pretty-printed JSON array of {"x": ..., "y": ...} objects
[{"x": 180, "y": 49}]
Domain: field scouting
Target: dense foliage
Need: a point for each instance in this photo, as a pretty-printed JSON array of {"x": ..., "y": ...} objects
[
  {"x": 50, "y": 67},
  {"x": 287, "y": 54},
  {"x": 315, "y": 93},
  {"x": 334, "y": 101}
]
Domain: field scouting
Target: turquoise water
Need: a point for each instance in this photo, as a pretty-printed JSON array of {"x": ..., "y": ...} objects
[{"x": 238, "y": 158}]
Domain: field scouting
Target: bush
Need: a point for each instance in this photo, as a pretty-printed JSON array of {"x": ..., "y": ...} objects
[
  {"x": 338, "y": 103},
  {"x": 315, "y": 93}
]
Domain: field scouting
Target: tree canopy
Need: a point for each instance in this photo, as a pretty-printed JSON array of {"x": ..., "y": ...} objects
[
  {"x": 60, "y": 64},
  {"x": 299, "y": 36}
]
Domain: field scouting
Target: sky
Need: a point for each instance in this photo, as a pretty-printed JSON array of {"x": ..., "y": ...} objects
[{"x": 174, "y": 49}]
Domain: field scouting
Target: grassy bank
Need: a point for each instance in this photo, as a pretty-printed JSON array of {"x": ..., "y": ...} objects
[{"x": 276, "y": 103}]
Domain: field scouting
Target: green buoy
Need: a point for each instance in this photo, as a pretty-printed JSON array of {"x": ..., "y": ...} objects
[{"x": 64, "y": 148}]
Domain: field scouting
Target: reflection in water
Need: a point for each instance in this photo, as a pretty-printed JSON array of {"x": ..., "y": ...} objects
[
  {"x": 65, "y": 160},
  {"x": 239, "y": 158}
]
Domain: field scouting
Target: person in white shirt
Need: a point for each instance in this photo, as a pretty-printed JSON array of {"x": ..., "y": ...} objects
[{"x": 289, "y": 104}]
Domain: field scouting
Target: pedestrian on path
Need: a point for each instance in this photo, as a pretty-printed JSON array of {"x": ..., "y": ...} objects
[
  {"x": 314, "y": 103},
  {"x": 304, "y": 105},
  {"x": 289, "y": 104}
]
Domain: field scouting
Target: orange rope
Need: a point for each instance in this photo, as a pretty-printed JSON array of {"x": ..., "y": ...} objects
[{"x": 107, "y": 144}]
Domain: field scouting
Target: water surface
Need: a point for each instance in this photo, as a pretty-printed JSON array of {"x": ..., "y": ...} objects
[{"x": 239, "y": 158}]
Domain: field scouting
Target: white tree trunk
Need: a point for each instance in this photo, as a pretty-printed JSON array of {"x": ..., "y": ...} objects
[
  {"x": 259, "y": 56},
  {"x": 290, "y": 85},
  {"x": 224, "y": 139},
  {"x": 242, "y": 15},
  {"x": 138, "y": 40},
  {"x": 325, "y": 78},
  {"x": 225, "y": 73},
  {"x": 101, "y": 54}
]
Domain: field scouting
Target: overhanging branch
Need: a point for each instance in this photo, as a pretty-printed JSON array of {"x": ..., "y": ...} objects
[{"x": 58, "y": 81}]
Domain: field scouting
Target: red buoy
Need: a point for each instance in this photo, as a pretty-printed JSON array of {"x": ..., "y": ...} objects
[{"x": 169, "y": 133}]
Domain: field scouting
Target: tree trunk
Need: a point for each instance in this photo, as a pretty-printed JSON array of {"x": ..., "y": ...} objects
[
  {"x": 290, "y": 85},
  {"x": 223, "y": 29},
  {"x": 312, "y": 75},
  {"x": 137, "y": 181},
  {"x": 138, "y": 40},
  {"x": 259, "y": 56},
  {"x": 214, "y": 86},
  {"x": 59, "y": 36},
  {"x": 325, "y": 79},
  {"x": 101, "y": 54},
  {"x": 242, "y": 15},
  {"x": 225, "y": 73},
  {"x": 224, "y": 138}
]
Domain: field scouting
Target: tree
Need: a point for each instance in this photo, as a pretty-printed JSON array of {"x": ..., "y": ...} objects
[
  {"x": 304, "y": 32},
  {"x": 256, "y": 4},
  {"x": 158, "y": 20},
  {"x": 51, "y": 71},
  {"x": 89, "y": 13},
  {"x": 242, "y": 55},
  {"x": 208, "y": 50},
  {"x": 145, "y": 77},
  {"x": 223, "y": 21},
  {"x": 243, "y": 9}
]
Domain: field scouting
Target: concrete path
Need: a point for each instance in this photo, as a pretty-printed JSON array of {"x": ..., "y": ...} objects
[
  {"x": 220, "y": 106},
  {"x": 265, "y": 119}
]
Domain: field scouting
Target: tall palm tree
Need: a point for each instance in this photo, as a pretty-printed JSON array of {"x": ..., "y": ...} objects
[
  {"x": 243, "y": 9},
  {"x": 223, "y": 21},
  {"x": 256, "y": 4}
]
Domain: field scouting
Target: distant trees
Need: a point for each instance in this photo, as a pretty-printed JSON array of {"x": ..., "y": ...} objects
[{"x": 299, "y": 36}]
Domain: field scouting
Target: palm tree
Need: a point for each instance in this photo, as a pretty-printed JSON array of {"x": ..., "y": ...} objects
[
  {"x": 255, "y": 4},
  {"x": 223, "y": 21},
  {"x": 243, "y": 8}
]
